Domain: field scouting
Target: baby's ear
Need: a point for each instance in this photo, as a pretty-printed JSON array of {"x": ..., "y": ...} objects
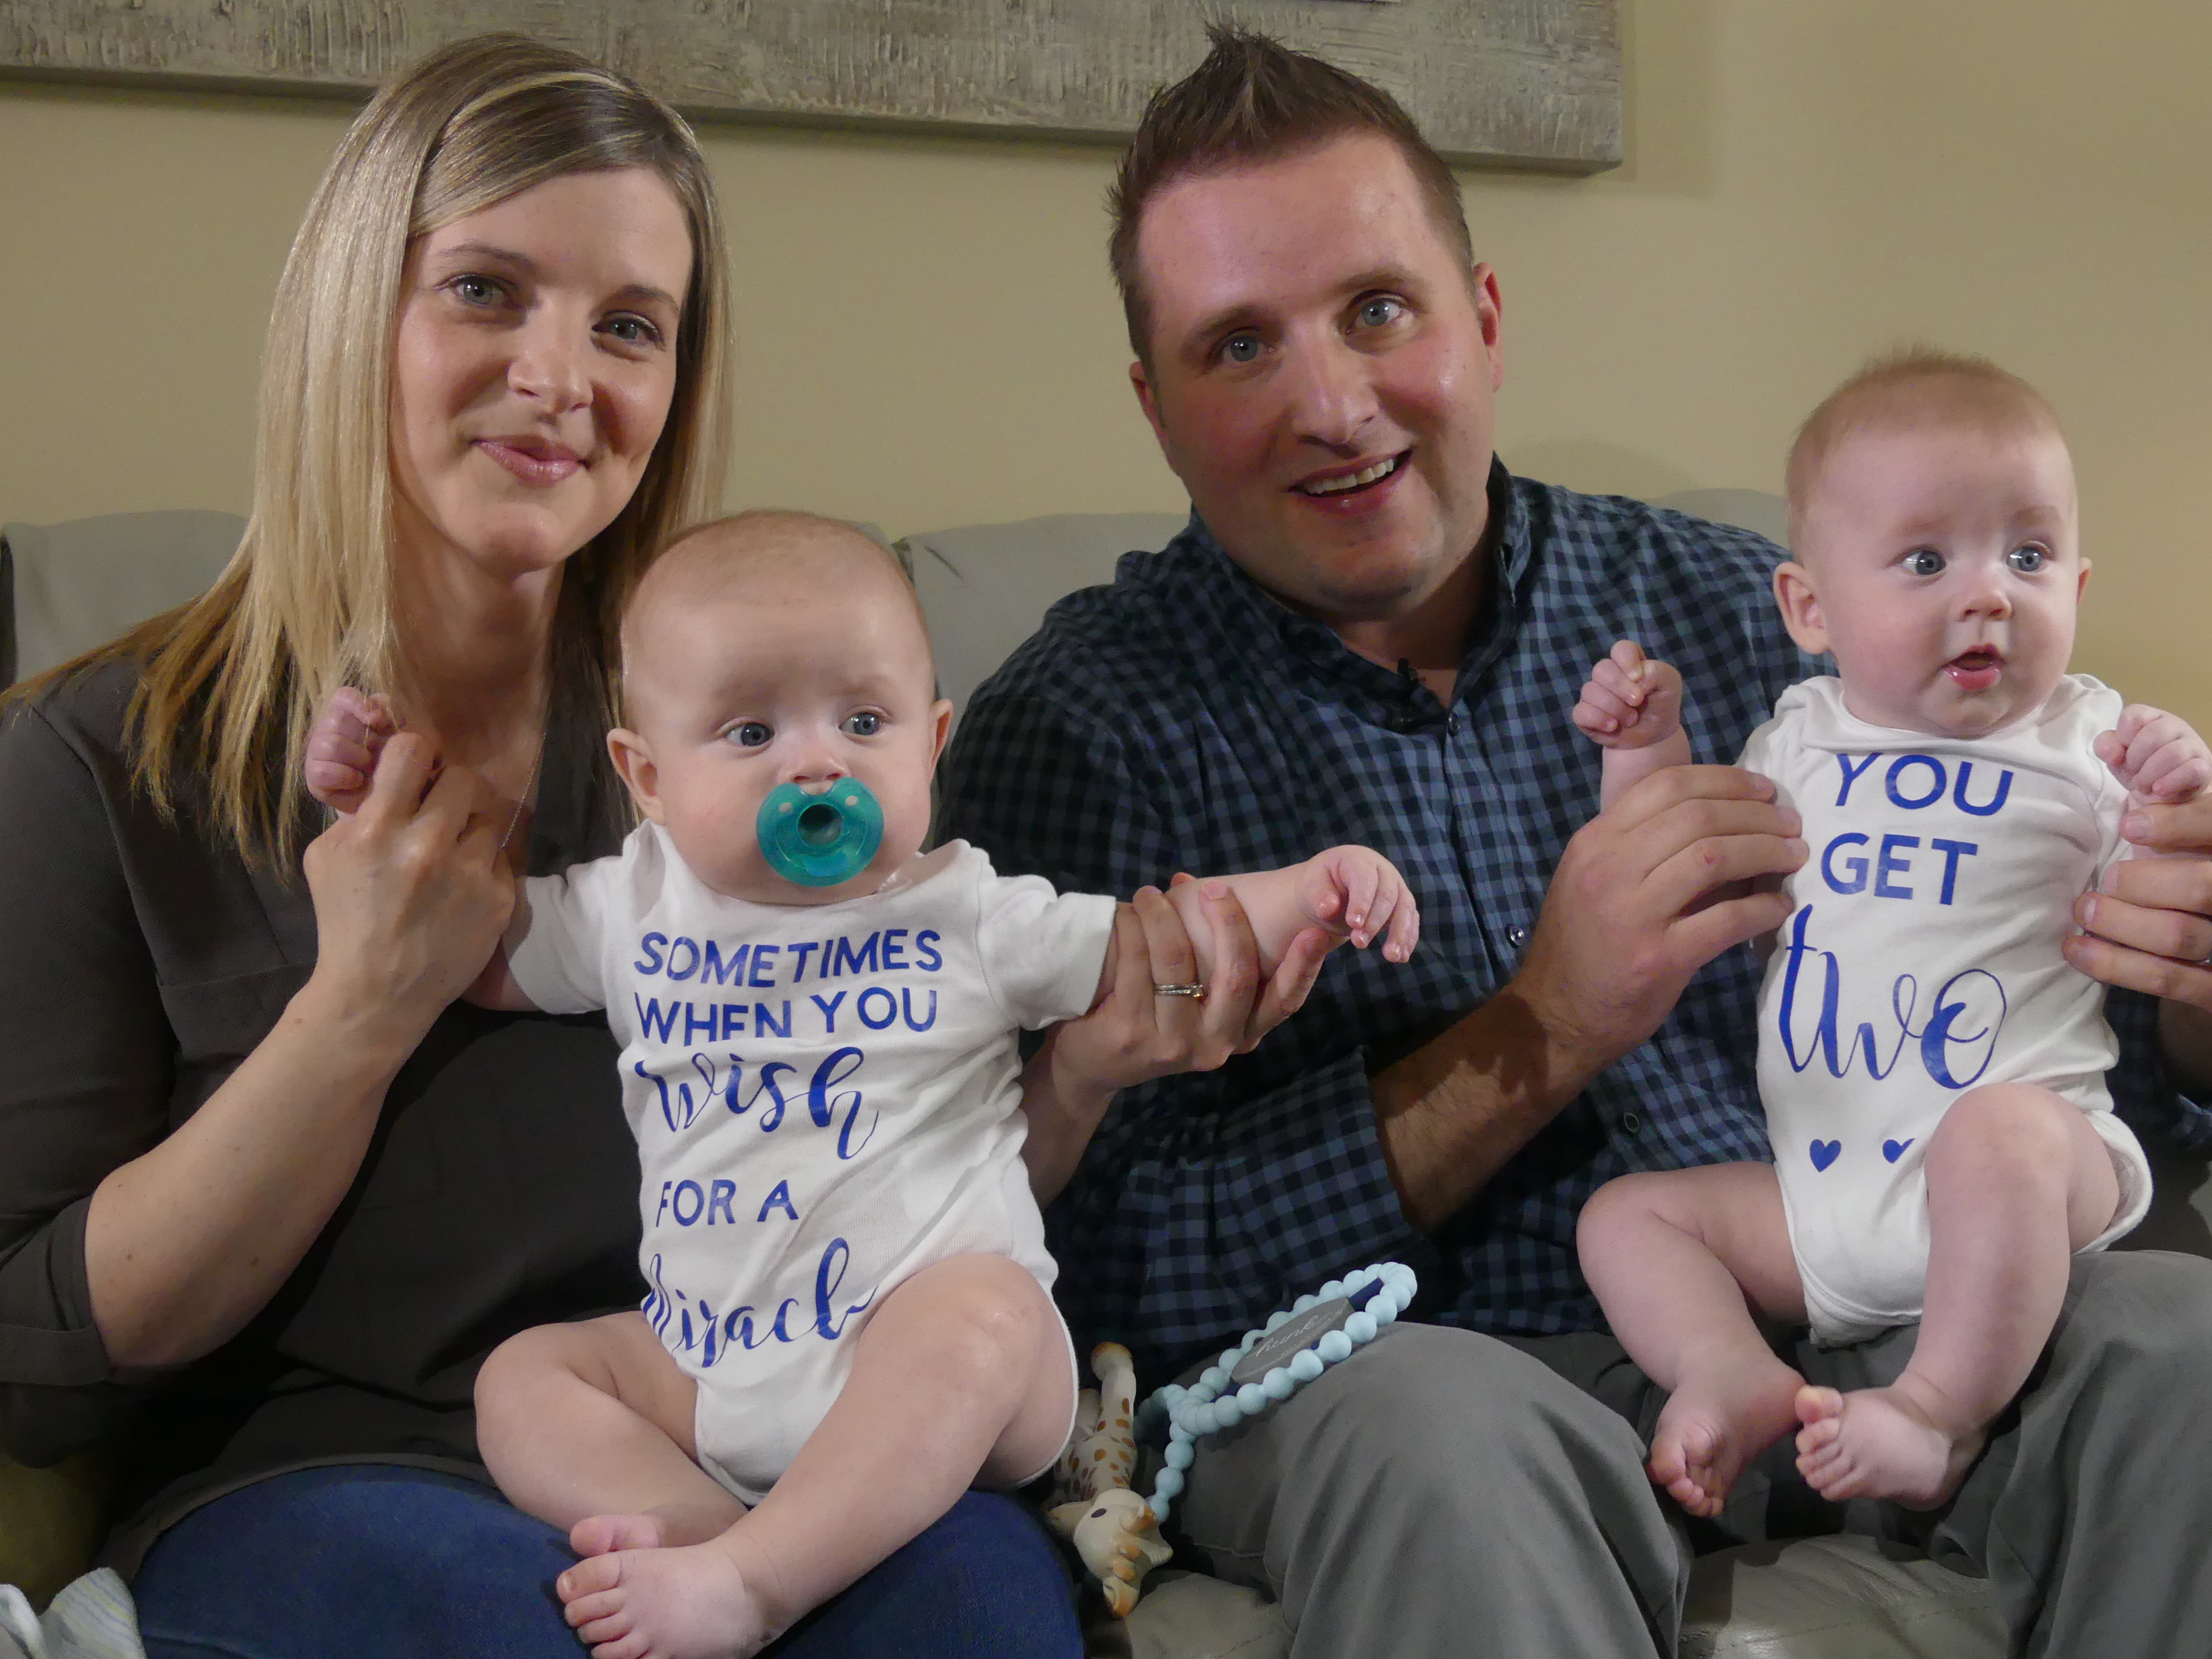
[
  {"x": 633, "y": 759},
  {"x": 940, "y": 715},
  {"x": 1801, "y": 608}
]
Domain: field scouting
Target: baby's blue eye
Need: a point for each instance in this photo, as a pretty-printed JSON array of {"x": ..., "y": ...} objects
[
  {"x": 750, "y": 734},
  {"x": 866, "y": 724},
  {"x": 1925, "y": 562},
  {"x": 2026, "y": 559}
]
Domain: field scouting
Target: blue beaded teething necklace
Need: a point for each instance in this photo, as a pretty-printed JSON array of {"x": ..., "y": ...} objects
[{"x": 1272, "y": 1363}]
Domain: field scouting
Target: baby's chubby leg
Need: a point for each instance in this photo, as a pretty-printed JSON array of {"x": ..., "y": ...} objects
[
  {"x": 589, "y": 1426},
  {"x": 2017, "y": 1182},
  {"x": 962, "y": 1377},
  {"x": 1679, "y": 1259}
]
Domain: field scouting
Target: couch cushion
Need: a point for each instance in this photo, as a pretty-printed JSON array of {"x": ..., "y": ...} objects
[
  {"x": 1835, "y": 1598},
  {"x": 79, "y": 584},
  {"x": 986, "y": 588}
]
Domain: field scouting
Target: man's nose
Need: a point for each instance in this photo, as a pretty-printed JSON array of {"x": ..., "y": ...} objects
[
  {"x": 549, "y": 366},
  {"x": 1332, "y": 393}
]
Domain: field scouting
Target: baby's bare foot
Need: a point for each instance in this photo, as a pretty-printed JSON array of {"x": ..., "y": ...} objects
[
  {"x": 665, "y": 1526},
  {"x": 1881, "y": 1443},
  {"x": 687, "y": 1602},
  {"x": 1712, "y": 1426},
  {"x": 603, "y": 1534}
]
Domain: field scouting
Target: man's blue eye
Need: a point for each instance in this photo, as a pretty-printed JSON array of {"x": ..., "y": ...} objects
[
  {"x": 1241, "y": 347},
  {"x": 1923, "y": 562},
  {"x": 2026, "y": 559},
  {"x": 864, "y": 724},
  {"x": 1375, "y": 312},
  {"x": 750, "y": 734}
]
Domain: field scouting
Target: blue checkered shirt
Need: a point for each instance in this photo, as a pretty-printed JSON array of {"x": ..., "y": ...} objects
[{"x": 1181, "y": 719}]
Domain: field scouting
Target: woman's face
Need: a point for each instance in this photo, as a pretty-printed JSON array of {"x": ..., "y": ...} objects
[{"x": 534, "y": 366}]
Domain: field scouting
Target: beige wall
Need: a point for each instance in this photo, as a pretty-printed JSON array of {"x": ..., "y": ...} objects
[{"x": 927, "y": 337}]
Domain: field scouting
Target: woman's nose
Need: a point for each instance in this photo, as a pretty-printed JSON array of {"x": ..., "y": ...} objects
[{"x": 550, "y": 368}]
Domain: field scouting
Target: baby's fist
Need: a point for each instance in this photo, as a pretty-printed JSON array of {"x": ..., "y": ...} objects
[
  {"x": 1357, "y": 894},
  {"x": 341, "y": 749},
  {"x": 1630, "y": 701},
  {"x": 2158, "y": 756}
]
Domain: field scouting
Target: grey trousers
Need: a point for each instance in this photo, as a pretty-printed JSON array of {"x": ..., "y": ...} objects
[{"x": 1445, "y": 1493}]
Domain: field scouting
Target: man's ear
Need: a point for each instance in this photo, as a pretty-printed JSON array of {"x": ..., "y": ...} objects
[
  {"x": 1140, "y": 381},
  {"x": 1801, "y": 608},
  {"x": 633, "y": 758},
  {"x": 1490, "y": 312},
  {"x": 941, "y": 716}
]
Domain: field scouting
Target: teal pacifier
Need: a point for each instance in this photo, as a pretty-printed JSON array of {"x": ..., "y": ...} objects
[{"x": 819, "y": 841}]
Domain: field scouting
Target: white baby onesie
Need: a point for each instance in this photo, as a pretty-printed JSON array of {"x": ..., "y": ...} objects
[
  {"x": 826, "y": 1100},
  {"x": 1924, "y": 958}
]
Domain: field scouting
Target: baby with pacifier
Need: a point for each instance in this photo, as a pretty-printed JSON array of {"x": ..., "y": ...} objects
[
  {"x": 847, "y": 1321},
  {"x": 1931, "y": 1067}
]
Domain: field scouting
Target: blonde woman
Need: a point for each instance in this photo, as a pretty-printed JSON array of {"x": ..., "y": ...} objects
[{"x": 267, "y": 1194}]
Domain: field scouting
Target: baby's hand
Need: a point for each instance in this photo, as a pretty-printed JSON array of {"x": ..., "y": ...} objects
[
  {"x": 1630, "y": 701},
  {"x": 1356, "y": 893},
  {"x": 341, "y": 749},
  {"x": 2158, "y": 756}
]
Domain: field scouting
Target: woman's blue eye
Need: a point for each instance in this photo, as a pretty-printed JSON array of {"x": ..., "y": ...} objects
[
  {"x": 632, "y": 331},
  {"x": 2026, "y": 559},
  {"x": 1923, "y": 562},
  {"x": 750, "y": 734},
  {"x": 477, "y": 290},
  {"x": 863, "y": 724}
]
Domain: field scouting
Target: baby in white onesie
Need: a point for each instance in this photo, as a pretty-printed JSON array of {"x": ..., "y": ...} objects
[
  {"x": 848, "y": 1320},
  {"x": 1931, "y": 1066}
]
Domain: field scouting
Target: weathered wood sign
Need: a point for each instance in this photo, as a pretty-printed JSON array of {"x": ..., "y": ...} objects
[{"x": 1522, "y": 82}]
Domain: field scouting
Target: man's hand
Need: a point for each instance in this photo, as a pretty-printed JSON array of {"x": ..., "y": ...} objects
[
  {"x": 2148, "y": 925},
  {"x": 1646, "y": 893}
]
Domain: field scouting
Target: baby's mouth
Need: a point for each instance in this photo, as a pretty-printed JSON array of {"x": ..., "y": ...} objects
[{"x": 1977, "y": 669}]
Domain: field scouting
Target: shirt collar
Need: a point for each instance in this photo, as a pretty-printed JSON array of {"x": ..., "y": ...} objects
[{"x": 1247, "y": 606}]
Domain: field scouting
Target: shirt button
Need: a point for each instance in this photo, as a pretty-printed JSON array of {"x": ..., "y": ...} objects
[
  {"x": 1630, "y": 1123},
  {"x": 1452, "y": 724},
  {"x": 1516, "y": 935}
]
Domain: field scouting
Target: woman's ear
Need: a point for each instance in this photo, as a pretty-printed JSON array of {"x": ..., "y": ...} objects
[
  {"x": 633, "y": 758},
  {"x": 1801, "y": 608}
]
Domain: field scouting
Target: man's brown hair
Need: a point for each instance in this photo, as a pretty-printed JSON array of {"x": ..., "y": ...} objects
[
  {"x": 1915, "y": 385},
  {"x": 1252, "y": 100}
]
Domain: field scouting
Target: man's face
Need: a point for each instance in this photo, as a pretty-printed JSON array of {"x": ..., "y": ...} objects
[{"x": 1322, "y": 375}]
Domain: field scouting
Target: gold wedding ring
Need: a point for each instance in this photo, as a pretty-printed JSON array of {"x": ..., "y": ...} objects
[{"x": 1196, "y": 991}]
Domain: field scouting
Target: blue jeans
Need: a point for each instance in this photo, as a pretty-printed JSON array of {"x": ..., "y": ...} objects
[{"x": 380, "y": 1561}]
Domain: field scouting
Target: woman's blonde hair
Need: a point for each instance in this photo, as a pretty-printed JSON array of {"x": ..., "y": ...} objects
[{"x": 228, "y": 684}]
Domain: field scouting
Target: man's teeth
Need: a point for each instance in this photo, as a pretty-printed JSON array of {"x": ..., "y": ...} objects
[{"x": 1382, "y": 469}]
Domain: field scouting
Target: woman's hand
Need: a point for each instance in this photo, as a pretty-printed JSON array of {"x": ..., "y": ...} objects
[
  {"x": 411, "y": 892},
  {"x": 1133, "y": 1033}
]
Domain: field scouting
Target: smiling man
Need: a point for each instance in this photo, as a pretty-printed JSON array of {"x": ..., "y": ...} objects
[{"x": 1372, "y": 631}]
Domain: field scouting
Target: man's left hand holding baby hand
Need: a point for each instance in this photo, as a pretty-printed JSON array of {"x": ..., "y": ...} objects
[{"x": 2148, "y": 925}]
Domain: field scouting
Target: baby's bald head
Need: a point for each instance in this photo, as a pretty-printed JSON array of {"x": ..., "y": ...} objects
[
  {"x": 766, "y": 560},
  {"x": 1916, "y": 390}
]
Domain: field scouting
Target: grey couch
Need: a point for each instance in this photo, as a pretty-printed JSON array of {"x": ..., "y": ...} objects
[{"x": 66, "y": 587}]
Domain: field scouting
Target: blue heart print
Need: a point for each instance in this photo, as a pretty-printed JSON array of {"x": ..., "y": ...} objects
[
  {"x": 1825, "y": 1152},
  {"x": 1894, "y": 1150}
]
